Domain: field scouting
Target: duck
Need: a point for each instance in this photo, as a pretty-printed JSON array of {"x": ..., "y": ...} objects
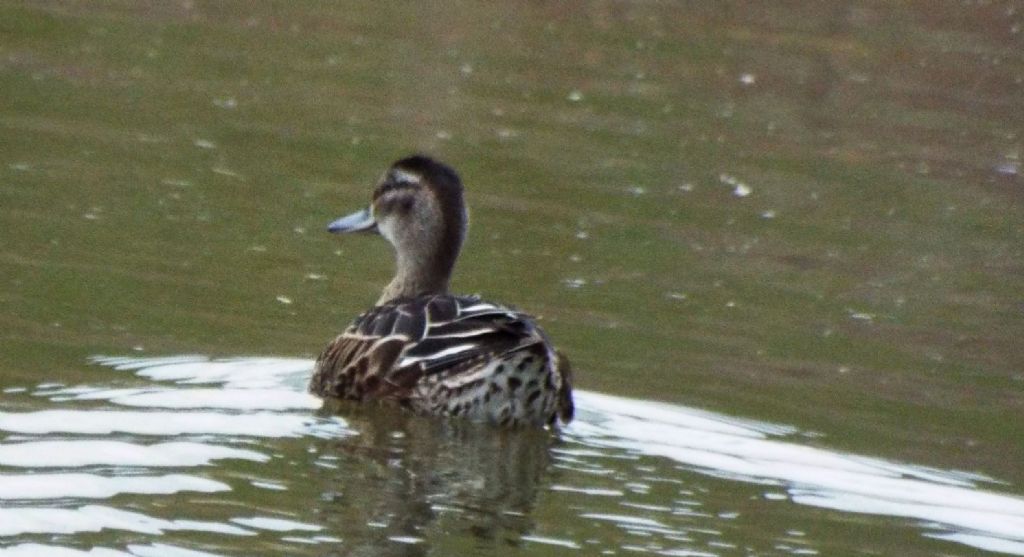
[{"x": 424, "y": 348}]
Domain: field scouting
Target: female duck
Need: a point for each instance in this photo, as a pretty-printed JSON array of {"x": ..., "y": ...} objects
[{"x": 429, "y": 350}]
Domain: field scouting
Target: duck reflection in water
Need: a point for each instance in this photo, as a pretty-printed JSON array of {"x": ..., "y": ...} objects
[{"x": 415, "y": 479}]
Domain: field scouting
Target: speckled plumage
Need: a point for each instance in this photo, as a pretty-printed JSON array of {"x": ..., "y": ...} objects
[{"x": 426, "y": 349}]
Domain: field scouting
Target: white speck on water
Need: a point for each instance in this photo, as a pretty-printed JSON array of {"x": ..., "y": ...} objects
[
  {"x": 296, "y": 539},
  {"x": 575, "y": 258},
  {"x": 624, "y": 520},
  {"x": 685, "y": 187},
  {"x": 575, "y": 95},
  {"x": 176, "y": 182},
  {"x": 13, "y": 390},
  {"x": 772, "y": 496},
  {"x": 730, "y": 304},
  {"x": 507, "y": 133},
  {"x": 598, "y": 491},
  {"x": 677, "y": 295},
  {"x": 466, "y": 69},
  {"x": 225, "y": 172},
  {"x": 275, "y": 524},
  {"x": 284, "y": 300},
  {"x": 638, "y": 487},
  {"x": 204, "y": 144},
  {"x": 582, "y": 235},
  {"x": 748, "y": 79},
  {"x": 740, "y": 189},
  {"x": 443, "y": 135},
  {"x": 20, "y": 166},
  {"x": 315, "y": 276},
  {"x": 769, "y": 214},
  {"x": 551, "y": 541},
  {"x": 861, "y": 316},
  {"x": 1008, "y": 168},
  {"x": 227, "y": 103},
  {"x": 299, "y": 230},
  {"x": 636, "y": 191},
  {"x": 406, "y": 539},
  {"x": 258, "y": 249},
  {"x": 274, "y": 486},
  {"x": 574, "y": 283}
]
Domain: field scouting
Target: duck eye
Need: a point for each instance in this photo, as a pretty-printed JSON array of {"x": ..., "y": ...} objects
[{"x": 395, "y": 204}]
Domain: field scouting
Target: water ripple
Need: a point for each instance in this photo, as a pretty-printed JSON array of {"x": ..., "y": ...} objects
[
  {"x": 91, "y": 486},
  {"x": 105, "y": 422},
  {"x": 94, "y": 518},
  {"x": 50, "y": 454},
  {"x": 615, "y": 464}
]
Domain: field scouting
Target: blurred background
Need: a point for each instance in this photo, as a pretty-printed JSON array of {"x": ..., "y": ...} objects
[{"x": 809, "y": 213}]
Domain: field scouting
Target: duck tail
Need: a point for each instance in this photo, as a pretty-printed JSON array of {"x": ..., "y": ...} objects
[{"x": 563, "y": 368}]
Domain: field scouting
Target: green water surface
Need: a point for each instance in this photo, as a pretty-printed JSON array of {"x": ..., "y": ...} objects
[{"x": 802, "y": 212}]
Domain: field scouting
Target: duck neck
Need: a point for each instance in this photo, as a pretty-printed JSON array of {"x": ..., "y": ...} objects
[{"x": 421, "y": 274}]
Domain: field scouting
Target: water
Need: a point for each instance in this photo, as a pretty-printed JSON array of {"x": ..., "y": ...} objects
[
  {"x": 626, "y": 475},
  {"x": 730, "y": 216}
]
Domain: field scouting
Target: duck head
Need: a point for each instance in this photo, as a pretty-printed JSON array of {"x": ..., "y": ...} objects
[{"x": 418, "y": 207}]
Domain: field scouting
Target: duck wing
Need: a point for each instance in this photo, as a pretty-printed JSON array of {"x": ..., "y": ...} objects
[{"x": 386, "y": 351}]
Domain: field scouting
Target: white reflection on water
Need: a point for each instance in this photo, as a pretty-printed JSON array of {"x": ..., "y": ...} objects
[
  {"x": 950, "y": 505},
  {"x": 91, "y": 486},
  {"x": 181, "y": 399},
  {"x": 105, "y": 422},
  {"x": 73, "y": 453},
  {"x": 93, "y": 518},
  {"x": 721, "y": 446},
  {"x": 151, "y": 550},
  {"x": 275, "y": 524}
]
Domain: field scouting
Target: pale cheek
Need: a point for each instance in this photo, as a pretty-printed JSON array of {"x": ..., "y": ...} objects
[{"x": 387, "y": 229}]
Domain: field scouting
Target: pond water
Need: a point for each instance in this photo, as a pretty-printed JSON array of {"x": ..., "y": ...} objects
[
  {"x": 783, "y": 245},
  {"x": 232, "y": 456}
]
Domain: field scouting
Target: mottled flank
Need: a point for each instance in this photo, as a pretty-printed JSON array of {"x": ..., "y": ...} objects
[
  {"x": 451, "y": 356},
  {"x": 421, "y": 346}
]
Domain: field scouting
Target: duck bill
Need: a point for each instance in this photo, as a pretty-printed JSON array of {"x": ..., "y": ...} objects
[{"x": 360, "y": 221}]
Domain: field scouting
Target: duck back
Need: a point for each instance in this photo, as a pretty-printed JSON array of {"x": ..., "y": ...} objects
[{"x": 449, "y": 355}]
